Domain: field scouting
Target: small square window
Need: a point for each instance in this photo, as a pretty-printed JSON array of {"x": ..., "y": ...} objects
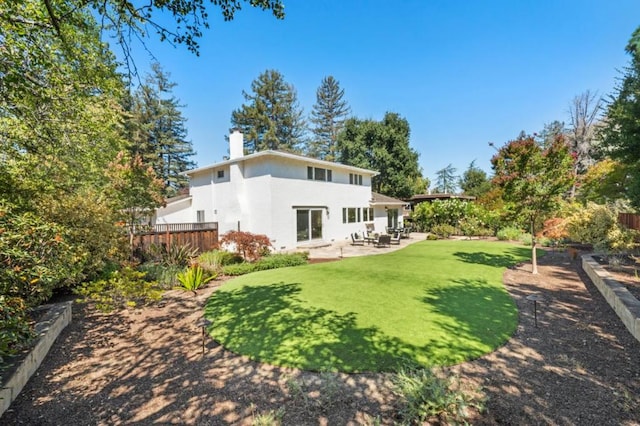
[{"x": 220, "y": 174}]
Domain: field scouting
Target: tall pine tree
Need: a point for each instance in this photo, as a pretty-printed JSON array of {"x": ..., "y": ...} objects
[
  {"x": 158, "y": 132},
  {"x": 328, "y": 116},
  {"x": 272, "y": 117}
]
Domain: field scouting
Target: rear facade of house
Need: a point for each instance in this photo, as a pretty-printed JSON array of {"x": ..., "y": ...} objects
[{"x": 295, "y": 200}]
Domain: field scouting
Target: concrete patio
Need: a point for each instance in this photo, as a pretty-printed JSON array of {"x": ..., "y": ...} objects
[{"x": 340, "y": 249}]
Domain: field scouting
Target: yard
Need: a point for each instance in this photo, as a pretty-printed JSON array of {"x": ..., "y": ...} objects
[
  {"x": 145, "y": 366},
  {"x": 431, "y": 303}
]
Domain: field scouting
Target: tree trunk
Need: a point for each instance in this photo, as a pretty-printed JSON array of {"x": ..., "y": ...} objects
[{"x": 534, "y": 255}]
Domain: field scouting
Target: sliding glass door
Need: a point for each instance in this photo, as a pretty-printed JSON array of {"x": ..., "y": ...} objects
[{"x": 308, "y": 224}]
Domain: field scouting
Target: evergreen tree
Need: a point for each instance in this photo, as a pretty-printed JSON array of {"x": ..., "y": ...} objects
[
  {"x": 474, "y": 181},
  {"x": 272, "y": 117},
  {"x": 621, "y": 126},
  {"x": 383, "y": 146},
  {"x": 328, "y": 116},
  {"x": 446, "y": 180},
  {"x": 158, "y": 131}
]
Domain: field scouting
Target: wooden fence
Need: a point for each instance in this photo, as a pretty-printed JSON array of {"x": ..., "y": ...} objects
[
  {"x": 201, "y": 236},
  {"x": 630, "y": 220}
]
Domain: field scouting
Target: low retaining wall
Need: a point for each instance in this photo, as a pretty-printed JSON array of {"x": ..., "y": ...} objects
[
  {"x": 58, "y": 316},
  {"x": 620, "y": 299}
]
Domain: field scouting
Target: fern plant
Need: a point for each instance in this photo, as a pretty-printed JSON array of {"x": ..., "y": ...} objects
[{"x": 193, "y": 278}]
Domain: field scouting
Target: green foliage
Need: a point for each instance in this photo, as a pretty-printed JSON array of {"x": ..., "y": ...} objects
[
  {"x": 533, "y": 179},
  {"x": 174, "y": 255},
  {"x": 621, "y": 128},
  {"x": 273, "y": 261},
  {"x": 193, "y": 278},
  {"x": 474, "y": 181},
  {"x": 443, "y": 230},
  {"x": 509, "y": 233},
  {"x": 15, "y": 330},
  {"x": 135, "y": 190},
  {"x": 605, "y": 181},
  {"x": 328, "y": 116},
  {"x": 446, "y": 180},
  {"x": 163, "y": 275},
  {"x": 382, "y": 146},
  {"x": 272, "y": 117},
  {"x": 598, "y": 225},
  {"x": 467, "y": 217},
  {"x": 157, "y": 130},
  {"x": 250, "y": 246},
  {"x": 270, "y": 418},
  {"x": 126, "y": 287},
  {"x": 239, "y": 269},
  {"x": 35, "y": 256},
  {"x": 424, "y": 396},
  {"x": 214, "y": 260}
]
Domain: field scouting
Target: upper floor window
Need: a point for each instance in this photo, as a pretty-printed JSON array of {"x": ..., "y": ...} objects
[
  {"x": 200, "y": 216},
  {"x": 318, "y": 173},
  {"x": 220, "y": 174},
  {"x": 355, "y": 179}
]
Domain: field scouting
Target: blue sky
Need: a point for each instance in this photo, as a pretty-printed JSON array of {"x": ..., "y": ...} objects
[{"x": 462, "y": 72}]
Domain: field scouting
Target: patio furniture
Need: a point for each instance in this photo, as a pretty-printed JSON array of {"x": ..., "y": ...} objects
[
  {"x": 406, "y": 232},
  {"x": 357, "y": 239},
  {"x": 370, "y": 237},
  {"x": 383, "y": 241},
  {"x": 395, "y": 239}
]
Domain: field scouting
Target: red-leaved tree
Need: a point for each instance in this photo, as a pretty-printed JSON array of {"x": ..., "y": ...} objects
[{"x": 533, "y": 178}]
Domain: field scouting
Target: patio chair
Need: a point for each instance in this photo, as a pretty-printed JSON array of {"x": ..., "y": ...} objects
[
  {"x": 357, "y": 239},
  {"x": 383, "y": 241},
  {"x": 406, "y": 232},
  {"x": 395, "y": 239}
]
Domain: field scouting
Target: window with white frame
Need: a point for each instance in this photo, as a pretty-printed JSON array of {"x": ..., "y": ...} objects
[{"x": 200, "y": 216}]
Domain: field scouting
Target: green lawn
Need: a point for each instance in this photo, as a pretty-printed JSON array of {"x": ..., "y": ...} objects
[{"x": 431, "y": 303}]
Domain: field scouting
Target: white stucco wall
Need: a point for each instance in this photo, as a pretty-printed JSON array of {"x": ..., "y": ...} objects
[
  {"x": 177, "y": 212},
  {"x": 261, "y": 194}
]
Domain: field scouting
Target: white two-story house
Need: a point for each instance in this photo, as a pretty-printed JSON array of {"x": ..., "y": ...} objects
[{"x": 295, "y": 200}]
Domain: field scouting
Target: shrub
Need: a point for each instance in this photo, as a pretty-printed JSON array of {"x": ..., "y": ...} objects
[
  {"x": 125, "y": 287},
  {"x": 36, "y": 256},
  {"x": 272, "y": 261},
  {"x": 214, "y": 260},
  {"x": 443, "y": 230},
  {"x": 164, "y": 276},
  {"x": 250, "y": 246},
  {"x": 238, "y": 269},
  {"x": 509, "y": 233},
  {"x": 598, "y": 225},
  {"x": 15, "y": 331},
  {"x": 174, "y": 255},
  {"x": 193, "y": 278},
  {"x": 424, "y": 395},
  {"x": 281, "y": 260}
]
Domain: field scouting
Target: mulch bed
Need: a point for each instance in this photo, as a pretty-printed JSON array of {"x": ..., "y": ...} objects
[{"x": 580, "y": 366}]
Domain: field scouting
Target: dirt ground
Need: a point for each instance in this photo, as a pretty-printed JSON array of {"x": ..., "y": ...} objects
[{"x": 579, "y": 366}]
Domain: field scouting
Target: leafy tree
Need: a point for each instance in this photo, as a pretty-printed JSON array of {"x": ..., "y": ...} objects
[
  {"x": 605, "y": 182},
  {"x": 382, "y": 146},
  {"x": 328, "y": 116},
  {"x": 474, "y": 181},
  {"x": 272, "y": 117},
  {"x": 621, "y": 126},
  {"x": 158, "y": 131},
  {"x": 135, "y": 191},
  {"x": 534, "y": 179},
  {"x": 446, "y": 180}
]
